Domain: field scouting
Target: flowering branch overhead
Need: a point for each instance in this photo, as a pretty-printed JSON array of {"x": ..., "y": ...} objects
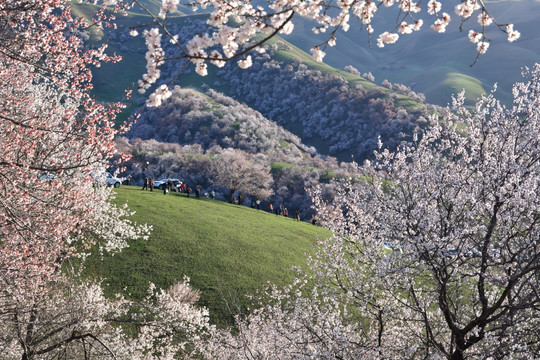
[{"x": 225, "y": 42}]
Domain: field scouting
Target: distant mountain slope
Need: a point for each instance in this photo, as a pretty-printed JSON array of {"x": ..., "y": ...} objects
[
  {"x": 337, "y": 112},
  {"x": 191, "y": 117},
  {"x": 180, "y": 139},
  {"x": 228, "y": 251},
  {"x": 438, "y": 64}
]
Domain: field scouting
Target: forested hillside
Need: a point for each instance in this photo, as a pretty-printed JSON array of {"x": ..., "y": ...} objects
[
  {"x": 184, "y": 138},
  {"x": 339, "y": 113},
  {"x": 327, "y": 111},
  {"x": 214, "y": 119}
]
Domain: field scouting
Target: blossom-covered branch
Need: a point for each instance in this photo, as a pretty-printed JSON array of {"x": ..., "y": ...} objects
[{"x": 236, "y": 26}]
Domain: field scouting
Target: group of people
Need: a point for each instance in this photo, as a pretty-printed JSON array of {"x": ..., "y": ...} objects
[
  {"x": 281, "y": 210},
  {"x": 184, "y": 188},
  {"x": 148, "y": 184}
]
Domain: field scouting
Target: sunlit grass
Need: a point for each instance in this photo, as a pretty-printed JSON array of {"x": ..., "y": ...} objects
[{"x": 227, "y": 250}]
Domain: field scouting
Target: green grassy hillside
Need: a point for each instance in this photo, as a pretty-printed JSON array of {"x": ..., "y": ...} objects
[{"x": 227, "y": 250}]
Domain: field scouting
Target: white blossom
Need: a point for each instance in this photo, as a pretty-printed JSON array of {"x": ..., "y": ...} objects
[
  {"x": 434, "y": 7},
  {"x": 484, "y": 19},
  {"x": 405, "y": 28},
  {"x": 201, "y": 69},
  {"x": 482, "y": 47},
  {"x": 474, "y": 37},
  {"x": 386, "y": 38},
  {"x": 167, "y": 6},
  {"x": 245, "y": 63},
  {"x": 513, "y": 35},
  {"x": 317, "y": 53}
]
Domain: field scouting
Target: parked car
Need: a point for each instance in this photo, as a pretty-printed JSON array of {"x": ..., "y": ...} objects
[
  {"x": 160, "y": 184},
  {"x": 108, "y": 179},
  {"x": 112, "y": 181}
]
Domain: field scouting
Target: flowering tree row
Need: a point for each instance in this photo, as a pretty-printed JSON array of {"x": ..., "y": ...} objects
[
  {"x": 71, "y": 318},
  {"x": 56, "y": 141}
]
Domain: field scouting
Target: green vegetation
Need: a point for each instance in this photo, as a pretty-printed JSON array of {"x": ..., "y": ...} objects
[
  {"x": 458, "y": 82},
  {"x": 227, "y": 250},
  {"x": 278, "y": 166},
  {"x": 327, "y": 176}
]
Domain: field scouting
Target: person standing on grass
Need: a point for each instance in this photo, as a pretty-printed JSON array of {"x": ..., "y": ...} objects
[
  {"x": 271, "y": 207},
  {"x": 188, "y": 190},
  {"x": 145, "y": 185},
  {"x": 297, "y": 215},
  {"x": 151, "y": 184}
]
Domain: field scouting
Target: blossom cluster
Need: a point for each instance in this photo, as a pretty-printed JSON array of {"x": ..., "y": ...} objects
[{"x": 154, "y": 58}]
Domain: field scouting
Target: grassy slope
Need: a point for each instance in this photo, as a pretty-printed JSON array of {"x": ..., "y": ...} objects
[{"x": 227, "y": 250}]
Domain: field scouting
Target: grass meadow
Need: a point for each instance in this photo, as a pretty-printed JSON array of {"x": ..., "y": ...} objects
[{"x": 227, "y": 250}]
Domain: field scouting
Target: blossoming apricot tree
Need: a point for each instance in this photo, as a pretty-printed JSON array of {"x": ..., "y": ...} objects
[
  {"x": 233, "y": 170},
  {"x": 53, "y": 136},
  {"x": 56, "y": 141},
  {"x": 436, "y": 252},
  {"x": 75, "y": 320}
]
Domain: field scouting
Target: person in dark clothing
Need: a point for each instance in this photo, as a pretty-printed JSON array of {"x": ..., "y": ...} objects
[
  {"x": 145, "y": 186},
  {"x": 297, "y": 215},
  {"x": 198, "y": 191},
  {"x": 188, "y": 191}
]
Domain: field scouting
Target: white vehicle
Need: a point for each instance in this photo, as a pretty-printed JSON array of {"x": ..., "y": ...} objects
[
  {"x": 160, "y": 184},
  {"x": 112, "y": 181},
  {"x": 108, "y": 179}
]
